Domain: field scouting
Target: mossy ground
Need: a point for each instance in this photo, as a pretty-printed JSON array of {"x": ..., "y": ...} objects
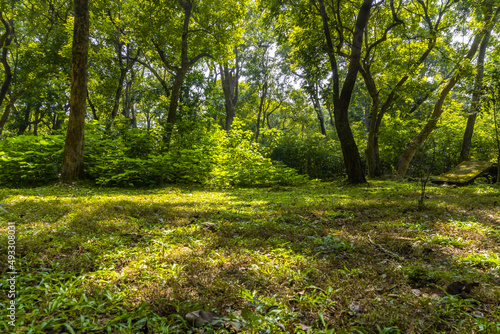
[{"x": 321, "y": 258}]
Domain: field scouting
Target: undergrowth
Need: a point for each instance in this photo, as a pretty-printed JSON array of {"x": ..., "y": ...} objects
[{"x": 321, "y": 258}]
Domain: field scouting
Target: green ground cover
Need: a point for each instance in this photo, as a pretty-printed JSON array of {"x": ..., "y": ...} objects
[{"x": 320, "y": 258}]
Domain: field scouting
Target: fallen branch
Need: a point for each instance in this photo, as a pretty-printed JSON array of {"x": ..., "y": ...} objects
[{"x": 385, "y": 250}]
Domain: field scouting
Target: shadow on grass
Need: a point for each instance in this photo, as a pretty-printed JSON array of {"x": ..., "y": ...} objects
[{"x": 277, "y": 241}]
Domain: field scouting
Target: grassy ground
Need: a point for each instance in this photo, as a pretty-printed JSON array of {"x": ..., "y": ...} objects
[{"x": 322, "y": 258}]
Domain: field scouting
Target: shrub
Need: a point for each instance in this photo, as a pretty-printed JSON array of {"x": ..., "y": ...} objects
[
  {"x": 30, "y": 159},
  {"x": 238, "y": 162}
]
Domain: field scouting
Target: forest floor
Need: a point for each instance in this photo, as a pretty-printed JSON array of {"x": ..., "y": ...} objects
[{"x": 321, "y": 258}]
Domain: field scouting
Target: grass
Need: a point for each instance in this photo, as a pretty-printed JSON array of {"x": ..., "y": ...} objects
[{"x": 321, "y": 258}]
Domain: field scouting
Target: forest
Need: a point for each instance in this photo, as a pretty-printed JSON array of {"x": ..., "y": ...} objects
[{"x": 249, "y": 166}]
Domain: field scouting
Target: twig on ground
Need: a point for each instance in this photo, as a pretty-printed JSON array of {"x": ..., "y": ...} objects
[{"x": 400, "y": 258}]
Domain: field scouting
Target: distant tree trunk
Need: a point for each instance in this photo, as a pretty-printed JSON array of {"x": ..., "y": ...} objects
[
  {"x": 412, "y": 147},
  {"x": 174, "y": 102},
  {"x": 476, "y": 95},
  {"x": 342, "y": 99},
  {"x": 313, "y": 93},
  {"x": 72, "y": 168},
  {"x": 261, "y": 108},
  {"x": 92, "y": 107},
  {"x": 57, "y": 123},
  {"x": 118, "y": 95},
  {"x": 36, "y": 120},
  {"x": 229, "y": 80},
  {"x": 180, "y": 72},
  {"x": 26, "y": 121}
]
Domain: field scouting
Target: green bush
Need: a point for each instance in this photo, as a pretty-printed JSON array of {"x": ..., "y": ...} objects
[
  {"x": 238, "y": 162},
  {"x": 28, "y": 160},
  {"x": 134, "y": 157}
]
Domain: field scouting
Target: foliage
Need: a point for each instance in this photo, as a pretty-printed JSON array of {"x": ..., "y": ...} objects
[
  {"x": 30, "y": 159},
  {"x": 310, "y": 154},
  {"x": 239, "y": 163}
]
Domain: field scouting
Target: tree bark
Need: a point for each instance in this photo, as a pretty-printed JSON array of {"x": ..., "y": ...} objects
[
  {"x": 5, "y": 115},
  {"x": 6, "y": 39},
  {"x": 476, "y": 95},
  {"x": 342, "y": 99},
  {"x": 229, "y": 82},
  {"x": 72, "y": 168},
  {"x": 261, "y": 108},
  {"x": 416, "y": 142}
]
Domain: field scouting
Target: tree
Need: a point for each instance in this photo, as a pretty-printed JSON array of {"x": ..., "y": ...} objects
[
  {"x": 476, "y": 94},
  {"x": 5, "y": 41},
  {"x": 385, "y": 77},
  {"x": 182, "y": 33},
  {"x": 342, "y": 98},
  {"x": 314, "y": 21},
  {"x": 230, "y": 86},
  {"x": 412, "y": 147},
  {"x": 72, "y": 168}
]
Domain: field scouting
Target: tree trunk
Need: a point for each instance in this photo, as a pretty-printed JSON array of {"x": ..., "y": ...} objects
[
  {"x": 261, "y": 107},
  {"x": 92, "y": 107},
  {"x": 5, "y": 115},
  {"x": 72, "y": 168},
  {"x": 476, "y": 95},
  {"x": 36, "y": 120},
  {"x": 174, "y": 102},
  {"x": 118, "y": 95},
  {"x": 352, "y": 160},
  {"x": 412, "y": 147},
  {"x": 6, "y": 39},
  {"x": 229, "y": 82}
]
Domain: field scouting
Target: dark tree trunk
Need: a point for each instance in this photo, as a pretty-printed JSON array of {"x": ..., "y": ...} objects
[
  {"x": 36, "y": 120},
  {"x": 92, "y": 107},
  {"x": 174, "y": 102},
  {"x": 313, "y": 93},
  {"x": 342, "y": 99},
  {"x": 118, "y": 95},
  {"x": 72, "y": 168},
  {"x": 26, "y": 121},
  {"x": 230, "y": 82},
  {"x": 5, "y": 41},
  {"x": 180, "y": 72},
  {"x": 476, "y": 95},
  {"x": 5, "y": 115}
]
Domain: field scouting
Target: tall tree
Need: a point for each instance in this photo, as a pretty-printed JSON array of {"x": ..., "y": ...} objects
[
  {"x": 182, "y": 33},
  {"x": 72, "y": 168},
  {"x": 419, "y": 139},
  {"x": 5, "y": 41},
  {"x": 329, "y": 23},
  {"x": 476, "y": 94},
  {"x": 342, "y": 98},
  {"x": 384, "y": 80}
]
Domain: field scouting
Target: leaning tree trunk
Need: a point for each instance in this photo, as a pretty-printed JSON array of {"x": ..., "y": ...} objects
[
  {"x": 418, "y": 140},
  {"x": 476, "y": 95},
  {"x": 72, "y": 168}
]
